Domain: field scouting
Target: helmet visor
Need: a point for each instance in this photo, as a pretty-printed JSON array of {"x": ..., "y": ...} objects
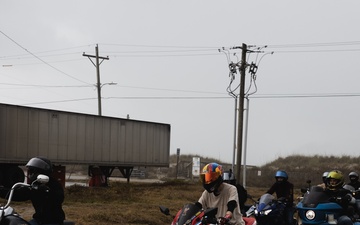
[{"x": 207, "y": 178}]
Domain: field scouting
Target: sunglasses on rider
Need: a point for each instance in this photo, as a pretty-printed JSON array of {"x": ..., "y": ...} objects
[{"x": 32, "y": 171}]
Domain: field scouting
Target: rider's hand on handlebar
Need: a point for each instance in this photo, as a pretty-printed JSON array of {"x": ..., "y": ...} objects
[
  {"x": 225, "y": 219},
  {"x": 346, "y": 199},
  {"x": 341, "y": 200},
  {"x": 41, "y": 187}
]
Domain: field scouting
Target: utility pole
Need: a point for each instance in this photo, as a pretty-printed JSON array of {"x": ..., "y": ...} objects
[
  {"x": 241, "y": 112},
  {"x": 97, "y": 65}
]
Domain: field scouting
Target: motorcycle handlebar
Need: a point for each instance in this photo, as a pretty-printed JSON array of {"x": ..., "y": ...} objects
[
  {"x": 42, "y": 179},
  {"x": 12, "y": 192}
]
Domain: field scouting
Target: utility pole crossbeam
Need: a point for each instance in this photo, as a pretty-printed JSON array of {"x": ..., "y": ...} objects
[
  {"x": 241, "y": 112},
  {"x": 97, "y": 65}
]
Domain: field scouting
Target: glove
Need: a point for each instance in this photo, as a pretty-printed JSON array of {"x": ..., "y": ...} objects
[
  {"x": 225, "y": 219},
  {"x": 333, "y": 199},
  {"x": 346, "y": 199},
  {"x": 41, "y": 187}
]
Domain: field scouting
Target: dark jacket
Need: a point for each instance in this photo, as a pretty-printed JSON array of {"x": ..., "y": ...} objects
[
  {"x": 46, "y": 199},
  {"x": 333, "y": 194},
  {"x": 355, "y": 184},
  {"x": 283, "y": 189}
]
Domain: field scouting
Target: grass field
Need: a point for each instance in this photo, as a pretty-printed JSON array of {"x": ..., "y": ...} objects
[{"x": 127, "y": 203}]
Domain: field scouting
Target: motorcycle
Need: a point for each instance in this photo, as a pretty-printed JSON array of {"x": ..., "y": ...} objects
[
  {"x": 268, "y": 210},
  {"x": 8, "y": 215},
  {"x": 190, "y": 214},
  {"x": 316, "y": 208},
  {"x": 356, "y": 205}
]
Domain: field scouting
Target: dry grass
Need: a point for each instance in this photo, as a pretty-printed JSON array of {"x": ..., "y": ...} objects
[
  {"x": 138, "y": 203},
  {"x": 123, "y": 203}
]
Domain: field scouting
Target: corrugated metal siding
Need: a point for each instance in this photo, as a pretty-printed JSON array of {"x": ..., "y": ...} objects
[{"x": 67, "y": 137}]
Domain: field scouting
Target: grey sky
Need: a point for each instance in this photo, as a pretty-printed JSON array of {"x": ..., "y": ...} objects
[{"x": 164, "y": 58}]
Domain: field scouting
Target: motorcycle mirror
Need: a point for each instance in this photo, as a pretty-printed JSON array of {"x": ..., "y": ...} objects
[
  {"x": 43, "y": 179},
  {"x": 303, "y": 190},
  {"x": 165, "y": 210},
  {"x": 308, "y": 181}
]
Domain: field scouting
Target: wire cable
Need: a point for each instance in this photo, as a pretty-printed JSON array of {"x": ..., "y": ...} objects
[{"x": 41, "y": 59}]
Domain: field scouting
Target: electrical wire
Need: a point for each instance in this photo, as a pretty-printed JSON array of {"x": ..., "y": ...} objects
[
  {"x": 329, "y": 95},
  {"x": 62, "y": 72},
  {"x": 327, "y": 44},
  {"x": 273, "y": 96},
  {"x": 47, "y": 86}
]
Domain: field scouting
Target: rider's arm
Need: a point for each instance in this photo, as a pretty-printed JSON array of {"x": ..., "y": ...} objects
[
  {"x": 231, "y": 205},
  {"x": 20, "y": 193},
  {"x": 272, "y": 189},
  {"x": 3, "y": 192},
  {"x": 198, "y": 204}
]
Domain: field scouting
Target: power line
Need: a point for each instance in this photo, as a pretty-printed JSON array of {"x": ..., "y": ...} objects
[
  {"x": 319, "y": 51},
  {"x": 47, "y": 86},
  {"x": 205, "y": 97},
  {"x": 331, "y": 44},
  {"x": 41, "y": 59},
  {"x": 329, "y": 95},
  {"x": 60, "y": 101}
]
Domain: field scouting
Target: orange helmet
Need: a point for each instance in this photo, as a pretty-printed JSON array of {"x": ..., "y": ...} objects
[{"x": 211, "y": 177}]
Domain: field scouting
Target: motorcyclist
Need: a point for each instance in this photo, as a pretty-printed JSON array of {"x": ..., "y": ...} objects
[
  {"x": 324, "y": 176},
  {"x": 354, "y": 180},
  {"x": 46, "y": 198},
  {"x": 284, "y": 191},
  {"x": 336, "y": 192},
  {"x": 242, "y": 192},
  {"x": 222, "y": 195}
]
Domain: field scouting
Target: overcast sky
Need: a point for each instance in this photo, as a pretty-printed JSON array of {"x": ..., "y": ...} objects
[{"x": 165, "y": 58}]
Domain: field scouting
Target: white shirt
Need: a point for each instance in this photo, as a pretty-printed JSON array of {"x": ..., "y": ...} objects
[{"x": 228, "y": 193}]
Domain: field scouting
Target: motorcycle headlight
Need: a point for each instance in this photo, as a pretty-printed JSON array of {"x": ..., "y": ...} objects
[{"x": 310, "y": 215}]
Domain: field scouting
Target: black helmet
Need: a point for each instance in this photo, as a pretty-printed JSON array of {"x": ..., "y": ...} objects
[
  {"x": 38, "y": 165},
  {"x": 353, "y": 176}
]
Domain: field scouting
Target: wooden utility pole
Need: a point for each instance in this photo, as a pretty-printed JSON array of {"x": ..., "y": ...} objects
[
  {"x": 241, "y": 112},
  {"x": 97, "y": 65}
]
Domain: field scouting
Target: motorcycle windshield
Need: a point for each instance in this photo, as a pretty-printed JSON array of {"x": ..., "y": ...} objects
[
  {"x": 264, "y": 201},
  {"x": 188, "y": 213},
  {"x": 315, "y": 197}
]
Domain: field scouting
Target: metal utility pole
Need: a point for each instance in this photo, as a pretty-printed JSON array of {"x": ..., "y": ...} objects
[
  {"x": 97, "y": 65},
  {"x": 245, "y": 137},
  {"x": 241, "y": 111}
]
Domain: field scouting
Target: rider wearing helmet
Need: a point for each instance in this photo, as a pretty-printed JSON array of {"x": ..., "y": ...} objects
[
  {"x": 284, "y": 190},
  {"x": 211, "y": 177},
  {"x": 229, "y": 178},
  {"x": 335, "y": 181},
  {"x": 354, "y": 180},
  {"x": 218, "y": 194},
  {"x": 324, "y": 176},
  {"x": 282, "y": 187},
  {"x": 38, "y": 165},
  {"x": 46, "y": 198},
  {"x": 336, "y": 192}
]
